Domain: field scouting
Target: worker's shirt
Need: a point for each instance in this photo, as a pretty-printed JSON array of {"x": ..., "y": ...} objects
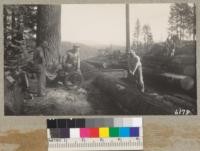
[
  {"x": 38, "y": 57},
  {"x": 134, "y": 61},
  {"x": 72, "y": 58}
]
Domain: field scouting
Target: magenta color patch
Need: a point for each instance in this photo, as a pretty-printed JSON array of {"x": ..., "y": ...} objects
[{"x": 84, "y": 132}]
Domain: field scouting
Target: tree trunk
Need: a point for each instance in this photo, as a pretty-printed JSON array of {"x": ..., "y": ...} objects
[
  {"x": 49, "y": 29},
  {"x": 5, "y": 25},
  {"x": 194, "y": 25},
  {"x": 13, "y": 24}
]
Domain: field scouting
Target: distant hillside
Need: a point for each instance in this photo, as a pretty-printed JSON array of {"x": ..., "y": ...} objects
[{"x": 85, "y": 50}]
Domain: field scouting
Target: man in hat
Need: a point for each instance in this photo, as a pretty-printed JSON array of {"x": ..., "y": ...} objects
[
  {"x": 135, "y": 67},
  {"x": 71, "y": 61},
  {"x": 40, "y": 63}
]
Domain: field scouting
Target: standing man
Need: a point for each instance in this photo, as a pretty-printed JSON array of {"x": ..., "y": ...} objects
[
  {"x": 171, "y": 45},
  {"x": 135, "y": 67},
  {"x": 71, "y": 62},
  {"x": 40, "y": 62}
]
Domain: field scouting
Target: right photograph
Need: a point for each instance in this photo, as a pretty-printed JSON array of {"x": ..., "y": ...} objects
[{"x": 163, "y": 41}]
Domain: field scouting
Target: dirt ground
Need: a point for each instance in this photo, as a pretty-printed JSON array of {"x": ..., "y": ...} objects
[
  {"x": 87, "y": 100},
  {"x": 64, "y": 102},
  {"x": 58, "y": 101}
]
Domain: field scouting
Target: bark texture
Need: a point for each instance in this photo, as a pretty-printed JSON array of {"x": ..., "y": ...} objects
[{"x": 49, "y": 29}]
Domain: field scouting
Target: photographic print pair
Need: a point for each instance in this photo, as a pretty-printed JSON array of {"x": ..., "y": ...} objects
[{"x": 100, "y": 59}]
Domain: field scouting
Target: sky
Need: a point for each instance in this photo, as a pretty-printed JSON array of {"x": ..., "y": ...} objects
[
  {"x": 156, "y": 15},
  {"x": 104, "y": 24}
]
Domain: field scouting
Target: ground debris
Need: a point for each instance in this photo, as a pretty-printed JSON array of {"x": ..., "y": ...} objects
[{"x": 58, "y": 102}]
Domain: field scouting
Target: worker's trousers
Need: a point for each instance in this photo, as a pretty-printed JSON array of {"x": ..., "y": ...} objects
[
  {"x": 41, "y": 77},
  {"x": 138, "y": 78},
  {"x": 140, "y": 74}
]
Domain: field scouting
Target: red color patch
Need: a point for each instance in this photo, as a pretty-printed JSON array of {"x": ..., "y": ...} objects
[{"x": 94, "y": 132}]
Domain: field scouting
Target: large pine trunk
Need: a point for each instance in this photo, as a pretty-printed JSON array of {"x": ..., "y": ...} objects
[
  {"x": 194, "y": 25},
  {"x": 49, "y": 29},
  {"x": 5, "y": 25}
]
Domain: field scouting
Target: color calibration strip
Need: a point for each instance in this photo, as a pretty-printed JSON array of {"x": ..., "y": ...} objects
[{"x": 95, "y": 134}]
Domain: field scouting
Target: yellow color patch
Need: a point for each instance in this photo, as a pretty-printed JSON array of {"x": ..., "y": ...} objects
[{"x": 104, "y": 132}]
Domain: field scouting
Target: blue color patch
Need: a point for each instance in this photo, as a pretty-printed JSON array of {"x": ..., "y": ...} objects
[
  {"x": 124, "y": 132},
  {"x": 134, "y": 132}
]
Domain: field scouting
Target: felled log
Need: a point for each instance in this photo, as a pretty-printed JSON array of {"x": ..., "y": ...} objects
[
  {"x": 130, "y": 98},
  {"x": 176, "y": 82},
  {"x": 182, "y": 81},
  {"x": 186, "y": 59},
  {"x": 181, "y": 64},
  {"x": 89, "y": 71}
]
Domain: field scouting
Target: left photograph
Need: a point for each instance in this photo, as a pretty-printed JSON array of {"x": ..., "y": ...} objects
[{"x": 45, "y": 48}]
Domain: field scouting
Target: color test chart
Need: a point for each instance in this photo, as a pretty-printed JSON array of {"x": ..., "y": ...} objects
[{"x": 95, "y": 134}]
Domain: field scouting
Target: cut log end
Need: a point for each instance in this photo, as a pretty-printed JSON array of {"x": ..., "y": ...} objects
[{"x": 187, "y": 83}]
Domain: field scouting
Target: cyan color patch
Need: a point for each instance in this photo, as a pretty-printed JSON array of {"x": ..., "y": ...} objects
[{"x": 124, "y": 132}]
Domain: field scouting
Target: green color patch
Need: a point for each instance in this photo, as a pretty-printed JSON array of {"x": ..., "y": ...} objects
[{"x": 114, "y": 132}]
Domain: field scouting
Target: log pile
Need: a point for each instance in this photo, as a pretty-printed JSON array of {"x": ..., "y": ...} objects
[
  {"x": 178, "y": 72},
  {"x": 139, "y": 103},
  {"x": 181, "y": 64}
]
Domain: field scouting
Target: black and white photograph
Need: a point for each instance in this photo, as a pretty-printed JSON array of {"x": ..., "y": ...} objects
[{"x": 100, "y": 59}]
